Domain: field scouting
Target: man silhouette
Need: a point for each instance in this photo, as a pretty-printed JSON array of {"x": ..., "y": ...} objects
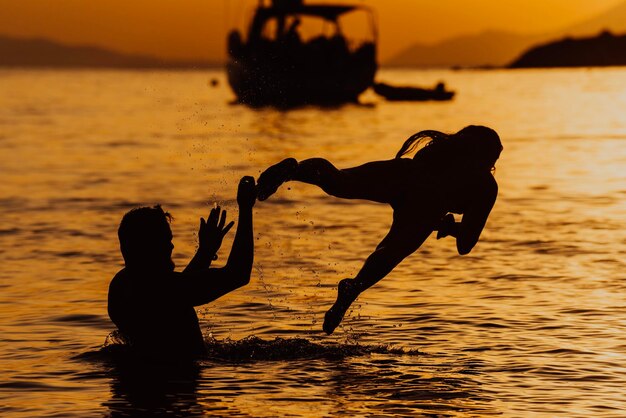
[{"x": 153, "y": 305}]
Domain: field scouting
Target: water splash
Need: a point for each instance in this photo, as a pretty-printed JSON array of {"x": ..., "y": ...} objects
[{"x": 253, "y": 348}]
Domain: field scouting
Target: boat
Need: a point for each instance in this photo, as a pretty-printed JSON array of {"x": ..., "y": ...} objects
[
  {"x": 281, "y": 62},
  {"x": 407, "y": 93}
]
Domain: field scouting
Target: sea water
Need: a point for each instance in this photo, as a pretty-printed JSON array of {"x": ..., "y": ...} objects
[{"x": 531, "y": 323}]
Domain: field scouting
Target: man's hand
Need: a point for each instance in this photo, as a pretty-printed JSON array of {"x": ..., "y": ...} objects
[
  {"x": 246, "y": 194},
  {"x": 212, "y": 232},
  {"x": 446, "y": 226}
]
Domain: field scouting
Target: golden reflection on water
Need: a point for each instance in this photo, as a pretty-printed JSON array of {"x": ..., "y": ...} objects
[{"x": 530, "y": 323}]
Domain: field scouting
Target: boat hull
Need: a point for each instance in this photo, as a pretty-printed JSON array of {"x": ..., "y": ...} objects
[
  {"x": 293, "y": 80},
  {"x": 415, "y": 94}
]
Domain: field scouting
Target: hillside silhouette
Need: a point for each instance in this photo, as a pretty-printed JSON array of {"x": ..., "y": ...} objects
[
  {"x": 613, "y": 20},
  {"x": 605, "y": 49},
  {"x": 16, "y": 52},
  {"x": 500, "y": 48},
  {"x": 489, "y": 48}
]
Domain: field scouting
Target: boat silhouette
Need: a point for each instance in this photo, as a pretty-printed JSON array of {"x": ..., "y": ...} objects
[
  {"x": 409, "y": 93},
  {"x": 280, "y": 64}
]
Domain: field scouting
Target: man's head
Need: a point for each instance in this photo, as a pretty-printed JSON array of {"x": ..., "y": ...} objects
[{"x": 146, "y": 239}]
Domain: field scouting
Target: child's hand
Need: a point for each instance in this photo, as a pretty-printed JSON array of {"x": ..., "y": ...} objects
[{"x": 445, "y": 226}]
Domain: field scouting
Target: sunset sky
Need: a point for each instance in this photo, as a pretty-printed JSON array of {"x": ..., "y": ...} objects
[{"x": 196, "y": 29}]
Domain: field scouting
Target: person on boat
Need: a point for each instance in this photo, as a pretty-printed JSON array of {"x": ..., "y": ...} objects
[
  {"x": 292, "y": 36},
  {"x": 151, "y": 304},
  {"x": 450, "y": 173}
]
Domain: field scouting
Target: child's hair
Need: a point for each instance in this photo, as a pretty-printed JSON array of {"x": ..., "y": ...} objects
[{"x": 470, "y": 143}]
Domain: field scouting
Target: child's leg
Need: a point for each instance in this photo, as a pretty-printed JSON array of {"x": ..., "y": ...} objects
[
  {"x": 371, "y": 181},
  {"x": 320, "y": 172},
  {"x": 270, "y": 180},
  {"x": 408, "y": 231}
]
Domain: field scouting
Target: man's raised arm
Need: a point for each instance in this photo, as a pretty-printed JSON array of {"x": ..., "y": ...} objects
[
  {"x": 239, "y": 265},
  {"x": 202, "y": 286}
]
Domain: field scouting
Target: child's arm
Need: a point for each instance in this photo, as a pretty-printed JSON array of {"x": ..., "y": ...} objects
[{"x": 474, "y": 219}]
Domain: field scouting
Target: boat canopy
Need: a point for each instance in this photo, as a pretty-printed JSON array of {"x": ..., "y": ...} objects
[{"x": 327, "y": 12}]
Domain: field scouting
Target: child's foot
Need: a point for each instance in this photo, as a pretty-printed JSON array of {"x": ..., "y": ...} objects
[
  {"x": 271, "y": 179},
  {"x": 346, "y": 294}
]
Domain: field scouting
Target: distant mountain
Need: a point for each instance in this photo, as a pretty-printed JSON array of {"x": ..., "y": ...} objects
[
  {"x": 16, "y": 52},
  {"x": 602, "y": 50},
  {"x": 491, "y": 48},
  {"x": 613, "y": 20},
  {"x": 498, "y": 48}
]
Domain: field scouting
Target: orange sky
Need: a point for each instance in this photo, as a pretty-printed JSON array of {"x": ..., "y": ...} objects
[{"x": 195, "y": 29}]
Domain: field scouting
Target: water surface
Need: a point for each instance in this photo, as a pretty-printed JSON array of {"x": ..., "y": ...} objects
[{"x": 531, "y": 323}]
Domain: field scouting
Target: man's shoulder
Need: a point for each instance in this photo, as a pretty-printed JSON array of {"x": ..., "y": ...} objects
[
  {"x": 120, "y": 276},
  {"x": 119, "y": 280}
]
